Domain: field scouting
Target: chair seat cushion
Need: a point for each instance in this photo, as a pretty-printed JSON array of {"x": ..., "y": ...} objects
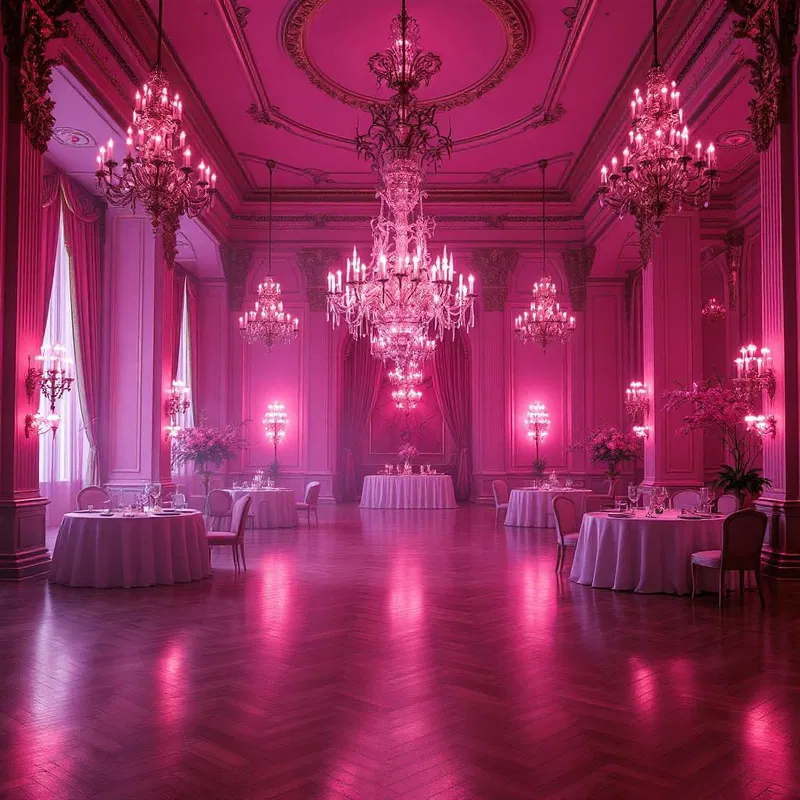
[
  {"x": 502, "y": 505},
  {"x": 571, "y": 539},
  {"x": 302, "y": 506},
  {"x": 220, "y": 537},
  {"x": 707, "y": 558}
]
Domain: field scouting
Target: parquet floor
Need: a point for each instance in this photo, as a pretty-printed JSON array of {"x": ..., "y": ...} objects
[{"x": 396, "y": 656}]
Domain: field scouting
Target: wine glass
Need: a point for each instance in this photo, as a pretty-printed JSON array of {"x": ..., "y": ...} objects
[
  {"x": 633, "y": 494},
  {"x": 178, "y": 501}
]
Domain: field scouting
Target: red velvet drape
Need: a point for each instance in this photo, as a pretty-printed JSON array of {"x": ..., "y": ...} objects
[
  {"x": 178, "y": 289},
  {"x": 452, "y": 384},
  {"x": 194, "y": 337},
  {"x": 51, "y": 217},
  {"x": 360, "y": 384},
  {"x": 83, "y": 235}
]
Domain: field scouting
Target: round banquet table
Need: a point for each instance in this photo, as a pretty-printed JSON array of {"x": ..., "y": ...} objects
[
  {"x": 142, "y": 550},
  {"x": 408, "y": 491},
  {"x": 533, "y": 508},
  {"x": 645, "y": 554},
  {"x": 271, "y": 508}
]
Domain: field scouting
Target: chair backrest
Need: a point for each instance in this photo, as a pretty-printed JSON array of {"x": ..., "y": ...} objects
[
  {"x": 218, "y": 503},
  {"x": 500, "y": 492},
  {"x": 92, "y": 496},
  {"x": 742, "y": 539},
  {"x": 241, "y": 508},
  {"x": 686, "y": 498},
  {"x": 566, "y": 516},
  {"x": 612, "y": 487},
  {"x": 312, "y": 493},
  {"x": 215, "y": 483},
  {"x": 727, "y": 504}
]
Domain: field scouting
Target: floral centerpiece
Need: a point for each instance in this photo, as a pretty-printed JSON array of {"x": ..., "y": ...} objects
[
  {"x": 720, "y": 410},
  {"x": 608, "y": 445},
  {"x": 407, "y": 451},
  {"x": 205, "y": 445}
]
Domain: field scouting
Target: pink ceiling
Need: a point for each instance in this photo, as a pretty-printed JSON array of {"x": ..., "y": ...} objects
[{"x": 554, "y": 80}]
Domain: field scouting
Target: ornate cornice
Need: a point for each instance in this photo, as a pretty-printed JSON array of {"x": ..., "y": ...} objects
[
  {"x": 771, "y": 25},
  {"x": 28, "y": 27},
  {"x": 236, "y": 262},
  {"x": 494, "y": 266},
  {"x": 315, "y": 263},
  {"x": 578, "y": 266},
  {"x": 734, "y": 248}
]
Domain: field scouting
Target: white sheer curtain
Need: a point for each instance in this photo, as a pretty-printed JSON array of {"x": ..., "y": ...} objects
[
  {"x": 63, "y": 459},
  {"x": 184, "y": 373}
]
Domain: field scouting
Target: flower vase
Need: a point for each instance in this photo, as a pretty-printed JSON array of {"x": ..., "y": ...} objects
[{"x": 205, "y": 479}]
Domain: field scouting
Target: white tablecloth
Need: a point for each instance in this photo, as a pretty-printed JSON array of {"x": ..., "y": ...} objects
[
  {"x": 408, "y": 491},
  {"x": 644, "y": 554},
  {"x": 144, "y": 550},
  {"x": 272, "y": 508},
  {"x": 533, "y": 508}
]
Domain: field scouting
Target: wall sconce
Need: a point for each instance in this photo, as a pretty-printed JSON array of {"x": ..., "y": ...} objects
[
  {"x": 275, "y": 422},
  {"x": 762, "y": 425},
  {"x": 537, "y": 421},
  {"x": 642, "y": 431},
  {"x": 176, "y": 406},
  {"x": 52, "y": 378},
  {"x": 754, "y": 373},
  {"x": 637, "y": 402}
]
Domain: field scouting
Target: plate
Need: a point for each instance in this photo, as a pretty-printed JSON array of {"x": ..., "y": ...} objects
[
  {"x": 691, "y": 516},
  {"x": 620, "y": 515}
]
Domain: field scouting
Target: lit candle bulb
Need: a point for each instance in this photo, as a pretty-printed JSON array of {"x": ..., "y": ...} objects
[
  {"x": 613, "y": 165},
  {"x": 604, "y": 174},
  {"x": 213, "y": 180},
  {"x": 698, "y": 147},
  {"x": 471, "y": 281},
  {"x": 711, "y": 156}
]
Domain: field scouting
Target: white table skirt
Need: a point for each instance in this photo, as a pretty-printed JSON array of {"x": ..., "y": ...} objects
[
  {"x": 272, "y": 508},
  {"x": 645, "y": 554},
  {"x": 144, "y": 550},
  {"x": 408, "y": 491},
  {"x": 533, "y": 508}
]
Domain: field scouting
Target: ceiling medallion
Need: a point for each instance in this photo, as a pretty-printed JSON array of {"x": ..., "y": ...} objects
[
  {"x": 733, "y": 140},
  {"x": 73, "y": 137},
  {"x": 510, "y": 14}
]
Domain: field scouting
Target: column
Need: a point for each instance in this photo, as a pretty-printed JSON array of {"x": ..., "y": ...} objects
[{"x": 672, "y": 351}]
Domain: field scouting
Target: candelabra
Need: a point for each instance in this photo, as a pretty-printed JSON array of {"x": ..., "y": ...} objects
[
  {"x": 658, "y": 172},
  {"x": 53, "y": 380},
  {"x": 176, "y": 405},
  {"x": 762, "y": 425},
  {"x": 537, "y": 422},
  {"x": 546, "y": 322},
  {"x": 713, "y": 310},
  {"x": 275, "y": 423},
  {"x": 637, "y": 401},
  {"x": 754, "y": 373},
  {"x": 156, "y": 170}
]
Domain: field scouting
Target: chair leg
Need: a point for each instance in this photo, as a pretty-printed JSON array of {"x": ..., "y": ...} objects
[
  {"x": 694, "y": 580},
  {"x": 244, "y": 562},
  {"x": 559, "y": 558},
  {"x": 741, "y": 583},
  {"x": 721, "y": 586},
  {"x": 758, "y": 585},
  {"x": 235, "y": 558}
]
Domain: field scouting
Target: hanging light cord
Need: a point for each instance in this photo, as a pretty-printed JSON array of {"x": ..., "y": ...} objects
[
  {"x": 543, "y": 167},
  {"x": 160, "y": 30},
  {"x": 271, "y": 167},
  {"x": 655, "y": 34}
]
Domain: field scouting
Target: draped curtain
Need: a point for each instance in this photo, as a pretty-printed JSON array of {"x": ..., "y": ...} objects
[
  {"x": 360, "y": 384},
  {"x": 194, "y": 338},
  {"x": 452, "y": 385},
  {"x": 178, "y": 301},
  {"x": 51, "y": 220}
]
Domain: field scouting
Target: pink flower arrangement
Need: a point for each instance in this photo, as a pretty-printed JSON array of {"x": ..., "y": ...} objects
[
  {"x": 610, "y": 446},
  {"x": 205, "y": 445},
  {"x": 407, "y": 451}
]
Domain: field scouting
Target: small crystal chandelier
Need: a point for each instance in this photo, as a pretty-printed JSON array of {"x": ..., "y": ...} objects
[
  {"x": 658, "y": 174},
  {"x": 150, "y": 172},
  {"x": 406, "y": 378},
  {"x": 537, "y": 421},
  {"x": 761, "y": 425},
  {"x": 267, "y": 322},
  {"x": 177, "y": 404},
  {"x": 546, "y": 322},
  {"x": 275, "y": 423},
  {"x": 754, "y": 372},
  {"x": 713, "y": 310},
  {"x": 403, "y": 292}
]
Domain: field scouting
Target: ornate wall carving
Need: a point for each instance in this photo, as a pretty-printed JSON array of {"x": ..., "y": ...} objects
[
  {"x": 315, "y": 263},
  {"x": 578, "y": 266},
  {"x": 494, "y": 266},
  {"x": 236, "y": 263},
  {"x": 734, "y": 248}
]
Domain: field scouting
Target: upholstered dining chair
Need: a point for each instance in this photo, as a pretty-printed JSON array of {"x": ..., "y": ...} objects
[
  {"x": 599, "y": 501},
  {"x": 94, "y": 496},
  {"x": 218, "y": 508},
  {"x": 234, "y": 538},
  {"x": 686, "y": 498},
  {"x": 727, "y": 504},
  {"x": 500, "y": 492},
  {"x": 742, "y": 540},
  {"x": 567, "y": 527},
  {"x": 310, "y": 500}
]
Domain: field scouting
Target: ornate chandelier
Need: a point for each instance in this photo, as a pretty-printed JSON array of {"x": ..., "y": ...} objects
[
  {"x": 713, "y": 310},
  {"x": 267, "y": 322},
  {"x": 156, "y": 170},
  {"x": 402, "y": 344},
  {"x": 406, "y": 396},
  {"x": 546, "y": 322},
  {"x": 403, "y": 291},
  {"x": 659, "y": 171}
]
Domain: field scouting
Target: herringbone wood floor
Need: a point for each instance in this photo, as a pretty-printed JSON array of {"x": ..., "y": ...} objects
[{"x": 391, "y": 656}]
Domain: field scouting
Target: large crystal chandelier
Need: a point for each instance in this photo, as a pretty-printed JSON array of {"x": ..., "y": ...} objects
[
  {"x": 267, "y": 322},
  {"x": 660, "y": 172},
  {"x": 546, "y": 322},
  {"x": 157, "y": 170},
  {"x": 403, "y": 292}
]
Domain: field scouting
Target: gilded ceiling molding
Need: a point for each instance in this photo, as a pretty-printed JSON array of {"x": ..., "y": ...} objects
[
  {"x": 494, "y": 266},
  {"x": 490, "y": 221},
  {"x": 510, "y": 13},
  {"x": 772, "y": 27},
  {"x": 315, "y": 264},
  {"x": 734, "y": 249},
  {"x": 236, "y": 262},
  {"x": 570, "y": 13},
  {"x": 578, "y": 266},
  {"x": 28, "y": 27},
  {"x": 241, "y": 13}
]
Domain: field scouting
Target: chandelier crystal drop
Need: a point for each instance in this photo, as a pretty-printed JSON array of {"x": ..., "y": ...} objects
[
  {"x": 156, "y": 171},
  {"x": 403, "y": 291},
  {"x": 660, "y": 172},
  {"x": 546, "y": 322},
  {"x": 267, "y": 322}
]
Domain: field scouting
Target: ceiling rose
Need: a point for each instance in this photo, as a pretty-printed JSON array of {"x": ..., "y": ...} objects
[{"x": 510, "y": 14}]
